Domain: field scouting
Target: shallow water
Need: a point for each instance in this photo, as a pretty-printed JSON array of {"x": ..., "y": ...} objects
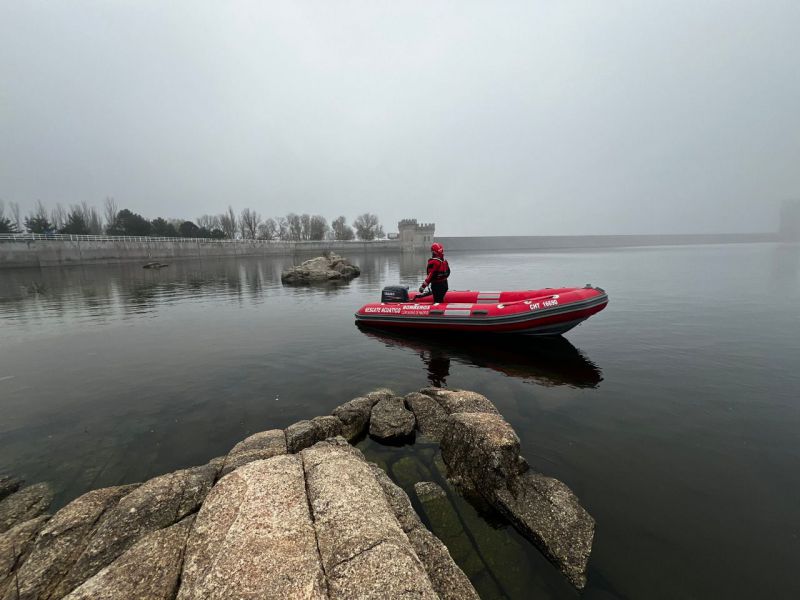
[{"x": 673, "y": 414}]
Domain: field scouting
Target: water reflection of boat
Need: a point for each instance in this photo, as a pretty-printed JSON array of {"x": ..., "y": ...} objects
[{"x": 545, "y": 361}]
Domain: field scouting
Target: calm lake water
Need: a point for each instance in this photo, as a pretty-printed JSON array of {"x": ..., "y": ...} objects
[{"x": 674, "y": 414}]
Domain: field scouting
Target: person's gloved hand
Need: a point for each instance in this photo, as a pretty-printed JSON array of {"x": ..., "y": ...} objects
[{"x": 422, "y": 288}]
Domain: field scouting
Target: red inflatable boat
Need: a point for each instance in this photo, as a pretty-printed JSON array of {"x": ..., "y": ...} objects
[{"x": 551, "y": 311}]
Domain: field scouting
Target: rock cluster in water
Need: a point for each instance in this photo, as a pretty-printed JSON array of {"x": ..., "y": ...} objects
[
  {"x": 330, "y": 267},
  {"x": 294, "y": 513}
]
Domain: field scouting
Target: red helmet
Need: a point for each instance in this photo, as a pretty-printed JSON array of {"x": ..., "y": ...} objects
[{"x": 437, "y": 249}]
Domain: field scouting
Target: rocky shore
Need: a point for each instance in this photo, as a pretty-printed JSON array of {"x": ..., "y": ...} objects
[
  {"x": 294, "y": 513},
  {"x": 329, "y": 267}
]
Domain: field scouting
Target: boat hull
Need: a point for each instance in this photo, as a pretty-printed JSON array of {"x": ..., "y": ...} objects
[{"x": 530, "y": 312}]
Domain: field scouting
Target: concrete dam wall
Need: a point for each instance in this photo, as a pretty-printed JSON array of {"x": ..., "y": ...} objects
[
  {"x": 61, "y": 252},
  {"x": 563, "y": 242}
]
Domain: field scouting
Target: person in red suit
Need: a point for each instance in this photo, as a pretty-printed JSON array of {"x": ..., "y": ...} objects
[{"x": 438, "y": 272}]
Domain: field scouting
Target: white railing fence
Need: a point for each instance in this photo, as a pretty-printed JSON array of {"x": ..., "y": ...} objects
[{"x": 26, "y": 237}]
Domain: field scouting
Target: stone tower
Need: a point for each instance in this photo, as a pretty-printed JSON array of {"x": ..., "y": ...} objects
[{"x": 415, "y": 237}]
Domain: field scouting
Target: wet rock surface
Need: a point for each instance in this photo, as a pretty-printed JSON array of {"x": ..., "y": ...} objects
[
  {"x": 258, "y": 446},
  {"x": 321, "y": 269},
  {"x": 391, "y": 419},
  {"x": 25, "y": 504}
]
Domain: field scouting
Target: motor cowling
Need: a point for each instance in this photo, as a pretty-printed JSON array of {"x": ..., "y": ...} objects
[{"x": 394, "y": 293}]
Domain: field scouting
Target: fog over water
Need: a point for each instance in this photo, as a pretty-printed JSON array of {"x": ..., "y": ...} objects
[{"x": 564, "y": 118}]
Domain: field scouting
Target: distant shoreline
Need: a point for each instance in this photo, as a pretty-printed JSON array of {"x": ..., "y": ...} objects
[
  {"x": 22, "y": 253},
  {"x": 549, "y": 242}
]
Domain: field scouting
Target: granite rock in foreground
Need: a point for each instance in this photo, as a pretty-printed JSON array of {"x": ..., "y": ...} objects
[{"x": 24, "y": 504}]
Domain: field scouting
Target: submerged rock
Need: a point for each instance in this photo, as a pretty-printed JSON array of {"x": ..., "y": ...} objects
[
  {"x": 150, "y": 569},
  {"x": 24, "y": 505},
  {"x": 258, "y": 446},
  {"x": 60, "y": 542},
  {"x": 254, "y": 537},
  {"x": 448, "y": 580},
  {"x": 548, "y": 513},
  {"x": 391, "y": 419},
  {"x": 323, "y": 268},
  {"x": 429, "y": 490},
  {"x": 408, "y": 470}
]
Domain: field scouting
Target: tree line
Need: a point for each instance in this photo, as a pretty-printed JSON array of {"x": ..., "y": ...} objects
[{"x": 82, "y": 219}]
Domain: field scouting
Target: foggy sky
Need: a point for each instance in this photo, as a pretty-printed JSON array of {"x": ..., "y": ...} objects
[{"x": 534, "y": 117}]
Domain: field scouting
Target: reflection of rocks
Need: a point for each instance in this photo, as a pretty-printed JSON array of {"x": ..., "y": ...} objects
[
  {"x": 24, "y": 504},
  {"x": 391, "y": 419},
  {"x": 299, "y": 513},
  {"x": 323, "y": 268}
]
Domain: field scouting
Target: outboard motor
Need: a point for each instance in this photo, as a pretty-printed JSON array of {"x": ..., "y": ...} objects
[{"x": 394, "y": 293}]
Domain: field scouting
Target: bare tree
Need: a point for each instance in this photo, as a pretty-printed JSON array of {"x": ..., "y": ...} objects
[
  {"x": 15, "y": 215},
  {"x": 249, "y": 222},
  {"x": 110, "y": 211},
  {"x": 229, "y": 223},
  {"x": 283, "y": 228},
  {"x": 317, "y": 228},
  {"x": 341, "y": 230},
  {"x": 368, "y": 227},
  {"x": 209, "y": 222},
  {"x": 58, "y": 216},
  {"x": 305, "y": 226},
  {"x": 295, "y": 227},
  {"x": 6, "y": 225},
  {"x": 268, "y": 230}
]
